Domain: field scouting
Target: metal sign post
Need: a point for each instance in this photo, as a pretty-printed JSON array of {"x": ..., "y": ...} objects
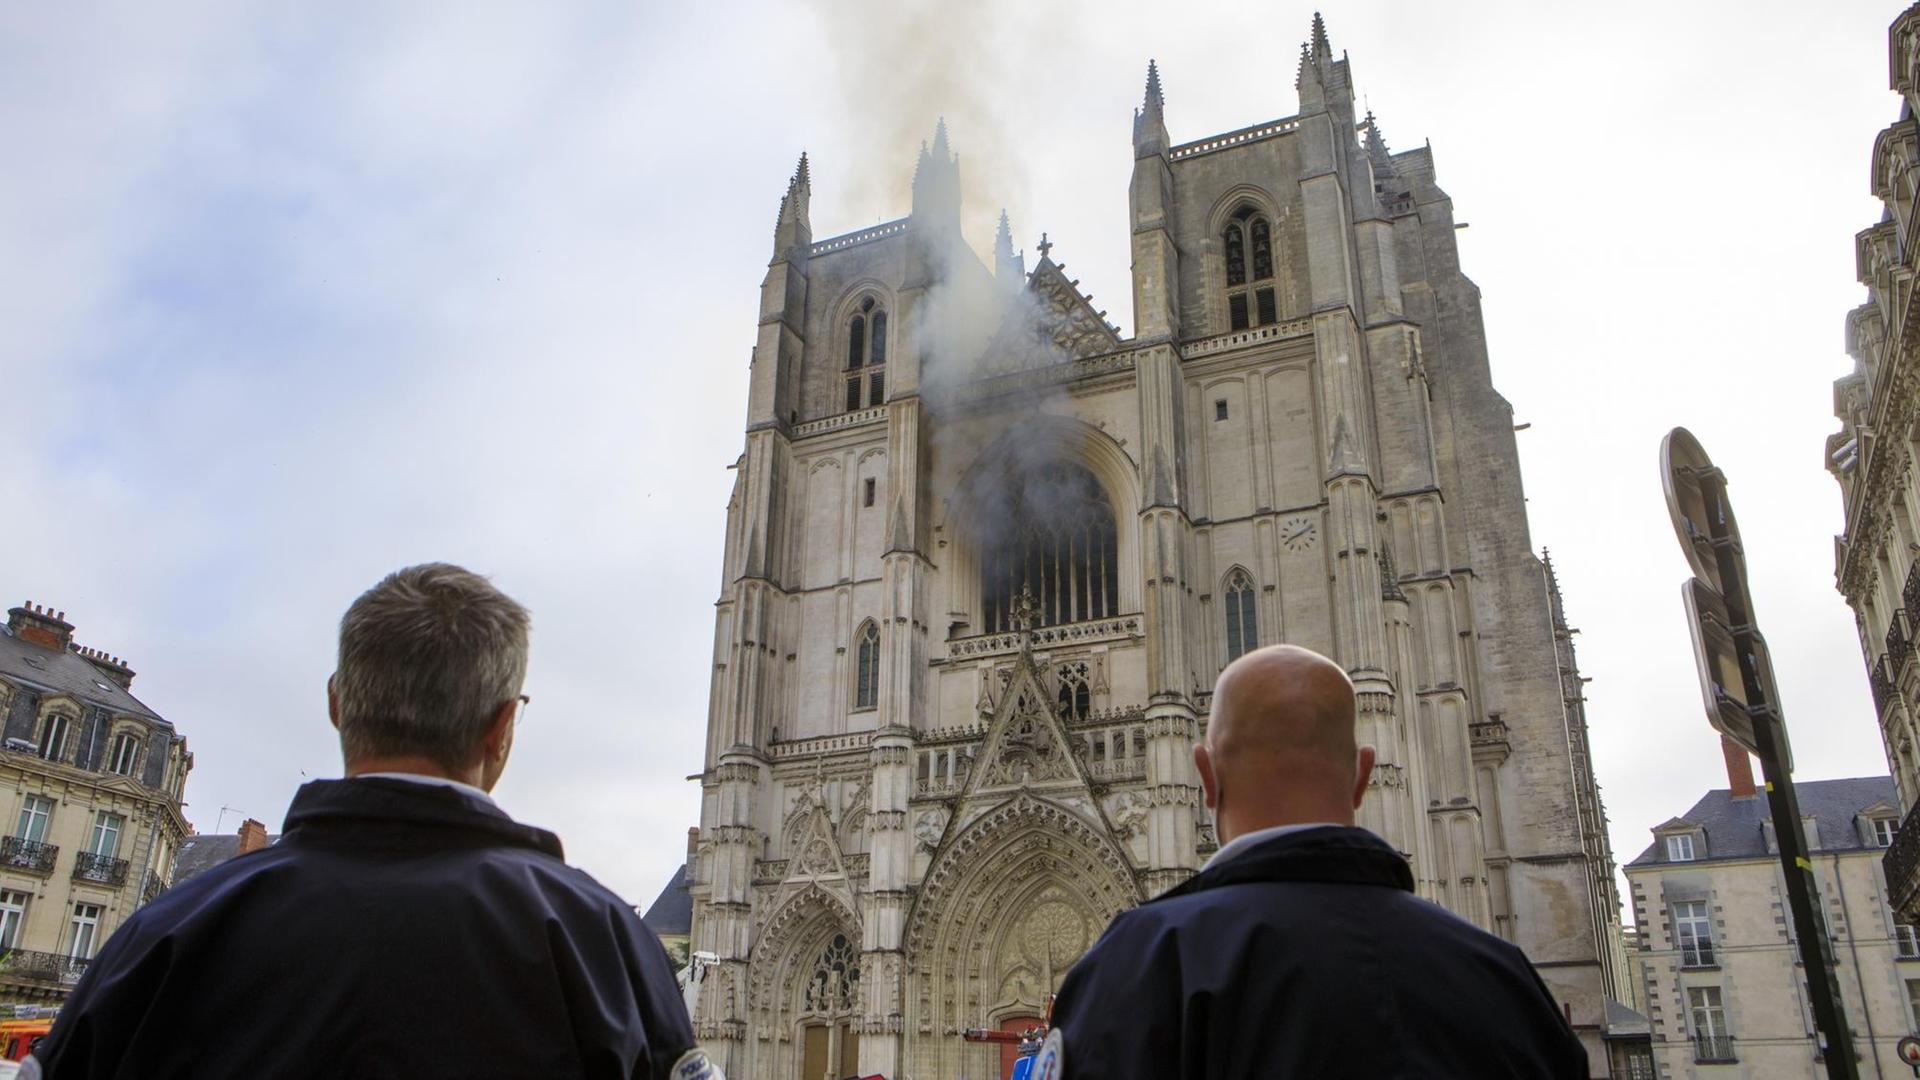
[{"x": 1736, "y": 679}]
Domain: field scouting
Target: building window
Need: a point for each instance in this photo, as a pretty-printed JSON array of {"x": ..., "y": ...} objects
[
  {"x": 1220, "y": 409},
  {"x": 34, "y": 815},
  {"x": 13, "y": 912},
  {"x": 1051, "y": 541},
  {"x": 867, "y": 500},
  {"x": 1693, "y": 931},
  {"x": 867, "y": 355},
  {"x": 1680, "y": 848},
  {"x": 105, "y": 841},
  {"x": 86, "y": 928},
  {"x": 1883, "y": 831},
  {"x": 1913, "y": 1003},
  {"x": 1243, "y": 632},
  {"x": 126, "y": 751},
  {"x": 1249, "y": 239},
  {"x": 53, "y": 740},
  {"x": 866, "y": 686},
  {"x": 1906, "y": 941},
  {"x": 1711, "y": 1042}
]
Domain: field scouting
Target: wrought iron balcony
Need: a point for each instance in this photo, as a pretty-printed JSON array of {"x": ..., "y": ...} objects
[
  {"x": 1910, "y": 592},
  {"x": 1713, "y": 1048},
  {"x": 1697, "y": 954},
  {"x": 99, "y": 869},
  {"x": 1884, "y": 690},
  {"x": 1902, "y": 865},
  {"x": 41, "y": 966},
  {"x": 154, "y": 887},
  {"x": 1899, "y": 644},
  {"x": 19, "y": 853}
]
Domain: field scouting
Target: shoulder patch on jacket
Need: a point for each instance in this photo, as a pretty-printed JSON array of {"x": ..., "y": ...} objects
[
  {"x": 695, "y": 1065},
  {"x": 1051, "y": 1064}
]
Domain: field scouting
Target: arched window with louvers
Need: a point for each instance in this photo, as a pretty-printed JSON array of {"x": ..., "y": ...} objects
[
  {"x": 866, "y": 374},
  {"x": 866, "y": 679},
  {"x": 1248, "y": 244},
  {"x": 1237, "y": 603}
]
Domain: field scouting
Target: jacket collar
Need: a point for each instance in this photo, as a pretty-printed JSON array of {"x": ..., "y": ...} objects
[
  {"x": 1334, "y": 854},
  {"x": 373, "y": 801}
]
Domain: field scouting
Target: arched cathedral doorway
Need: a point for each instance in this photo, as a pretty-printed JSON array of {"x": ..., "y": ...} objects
[
  {"x": 1008, "y": 905},
  {"x": 806, "y": 989}
]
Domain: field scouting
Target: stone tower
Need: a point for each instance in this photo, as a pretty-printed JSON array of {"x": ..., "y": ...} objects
[{"x": 985, "y": 557}]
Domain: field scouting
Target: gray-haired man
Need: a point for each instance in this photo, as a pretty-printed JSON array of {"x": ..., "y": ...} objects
[{"x": 404, "y": 925}]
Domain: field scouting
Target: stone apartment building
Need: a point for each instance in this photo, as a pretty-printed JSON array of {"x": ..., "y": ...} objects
[
  {"x": 90, "y": 786},
  {"x": 1722, "y": 990},
  {"x": 985, "y": 556},
  {"x": 1873, "y": 455}
]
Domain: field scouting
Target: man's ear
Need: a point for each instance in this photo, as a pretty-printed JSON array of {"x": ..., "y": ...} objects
[
  {"x": 333, "y": 704},
  {"x": 499, "y": 738},
  {"x": 1209, "y": 782},
  {"x": 1364, "y": 775}
]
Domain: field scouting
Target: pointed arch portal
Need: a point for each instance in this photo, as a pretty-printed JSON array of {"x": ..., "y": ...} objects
[{"x": 1019, "y": 894}]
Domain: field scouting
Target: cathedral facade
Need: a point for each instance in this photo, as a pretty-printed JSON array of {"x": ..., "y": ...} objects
[{"x": 986, "y": 555}]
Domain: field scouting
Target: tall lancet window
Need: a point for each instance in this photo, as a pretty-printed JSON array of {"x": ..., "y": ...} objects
[
  {"x": 1051, "y": 553},
  {"x": 867, "y": 356},
  {"x": 1243, "y": 631},
  {"x": 866, "y": 681},
  {"x": 1250, "y": 297}
]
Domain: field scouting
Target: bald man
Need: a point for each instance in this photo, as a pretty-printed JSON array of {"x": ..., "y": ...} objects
[{"x": 1299, "y": 950}]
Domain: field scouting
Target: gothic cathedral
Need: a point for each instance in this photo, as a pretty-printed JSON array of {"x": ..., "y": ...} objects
[{"x": 985, "y": 557}]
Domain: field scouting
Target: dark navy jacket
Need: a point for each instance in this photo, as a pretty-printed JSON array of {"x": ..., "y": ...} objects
[
  {"x": 396, "y": 930},
  {"x": 1307, "y": 956}
]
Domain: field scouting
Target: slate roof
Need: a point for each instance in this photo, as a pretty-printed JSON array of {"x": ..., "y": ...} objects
[
  {"x": 672, "y": 910},
  {"x": 1622, "y": 1020},
  {"x": 199, "y": 853},
  {"x": 1733, "y": 826},
  {"x": 53, "y": 672}
]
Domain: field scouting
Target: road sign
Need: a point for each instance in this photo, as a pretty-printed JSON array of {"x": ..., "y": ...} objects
[
  {"x": 1716, "y": 656},
  {"x": 1909, "y": 1050},
  {"x": 1743, "y": 703}
]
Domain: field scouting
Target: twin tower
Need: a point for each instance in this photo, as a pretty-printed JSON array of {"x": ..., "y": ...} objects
[{"x": 985, "y": 556}]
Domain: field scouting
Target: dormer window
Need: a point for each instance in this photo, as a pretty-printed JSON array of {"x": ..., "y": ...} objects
[
  {"x": 867, "y": 356},
  {"x": 1680, "y": 848},
  {"x": 126, "y": 751},
  {"x": 53, "y": 738},
  {"x": 1249, "y": 246},
  {"x": 1883, "y": 831}
]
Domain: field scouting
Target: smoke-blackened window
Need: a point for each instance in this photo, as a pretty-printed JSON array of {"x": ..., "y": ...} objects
[
  {"x": 1249, "y": 237},
  {"x": 1049, "y": 531}
]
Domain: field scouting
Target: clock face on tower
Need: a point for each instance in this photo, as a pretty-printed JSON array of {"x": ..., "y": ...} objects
[{"x": 1298, "y": 532}]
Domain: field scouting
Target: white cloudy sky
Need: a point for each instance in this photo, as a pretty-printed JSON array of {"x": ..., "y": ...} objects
[{"x": 294, "y": 295}]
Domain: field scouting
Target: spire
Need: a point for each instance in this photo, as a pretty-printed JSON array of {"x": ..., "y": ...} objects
[
  {"x": 1009, "y": 270},
  {"x": 1150, "y": 121},
  {"x": 1322, "y": 50},
  {"x": 793, "y": 228},
  {"x": 1377, "y": 146},
  {"x": 936, "y": 181}
]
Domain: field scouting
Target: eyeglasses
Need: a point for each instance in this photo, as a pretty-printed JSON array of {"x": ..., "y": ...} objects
[{"x": 525, "y": 700}]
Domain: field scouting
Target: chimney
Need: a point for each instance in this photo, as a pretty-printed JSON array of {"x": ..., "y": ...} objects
[
  {"x": 112, "y": 667},
  {"x": 1739, "y": 769},
  {"x": 41, "y": 626},
  {"x": 253, "y": 836}
]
